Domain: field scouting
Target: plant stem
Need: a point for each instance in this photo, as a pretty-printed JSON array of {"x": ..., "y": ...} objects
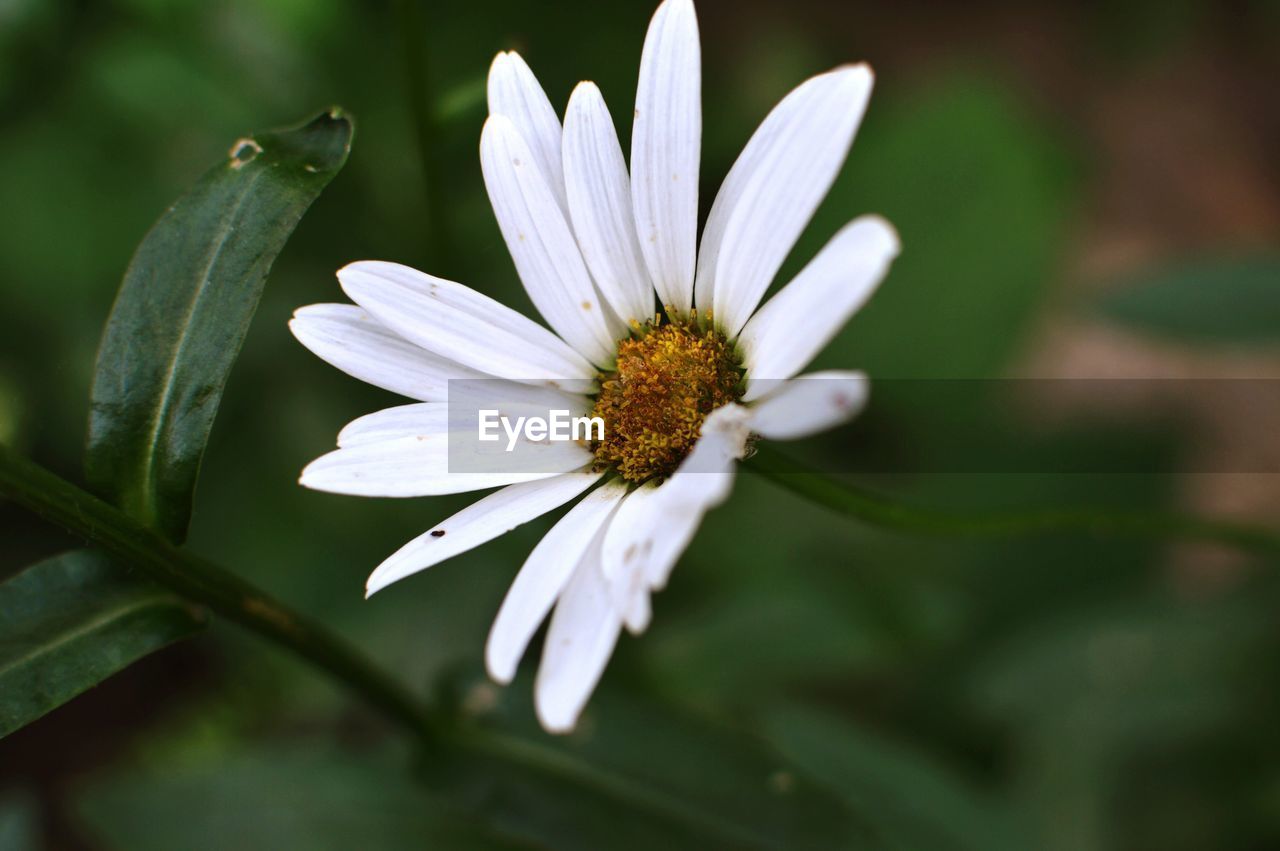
[
  {"x": 202, "y": 581},
  {"x": 879, "y": 510},
  {"x": 412, "y": 28}
]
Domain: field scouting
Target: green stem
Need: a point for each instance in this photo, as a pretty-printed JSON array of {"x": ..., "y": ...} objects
[
  {"x": 412, "y": 28},
  {"x": 200, "y": 580},
  {"x": 880, "y": 510}
]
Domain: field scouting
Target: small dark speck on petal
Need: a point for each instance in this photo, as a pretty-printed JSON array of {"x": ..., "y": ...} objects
[{"x": 438, "y": 533}]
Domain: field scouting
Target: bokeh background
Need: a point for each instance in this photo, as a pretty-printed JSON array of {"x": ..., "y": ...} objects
[{"x": 1058, "y": 171}]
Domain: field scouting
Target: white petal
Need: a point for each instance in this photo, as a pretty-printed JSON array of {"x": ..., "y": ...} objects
[
  {"x": 721, "y": 441},
  {"x": 801, "y": 319},
  {"x": 466, "y": 397},
  {"x": 460, "y": 324},
  {"x": 478, "y": 523},
  {"x": 347, "y": 337},
  {"x": 424, "y": 418},
  {"x": 419, "y": 466},
  {"x": 580, "y": 640},
  {"x": 810, "y": 404},
  {"x": 666, "y": 138},
  {"x": 655, "y": 524},
  {"x": 771, "y": 194},
  {"x": 628, "y": 553},
  {"x": 484, "y": 414},
  {"x": 514, "y": 92},
  {"x": 638, "y": 613},
  {"x": 766, "y": 144},
  {"x": 542, "y": 245},
  {"x": 600, "y": 205},
  {"x": 543, "y": 577}
]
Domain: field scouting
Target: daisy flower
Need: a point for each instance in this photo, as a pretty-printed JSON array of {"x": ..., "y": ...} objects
[{"x": 683, "y": 384}]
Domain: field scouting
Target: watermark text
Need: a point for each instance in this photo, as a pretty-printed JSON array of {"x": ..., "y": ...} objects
[{"x": 558, "y": 426}]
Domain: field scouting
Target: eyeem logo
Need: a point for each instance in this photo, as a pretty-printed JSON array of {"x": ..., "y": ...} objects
[{"x": 560, "y": 426}]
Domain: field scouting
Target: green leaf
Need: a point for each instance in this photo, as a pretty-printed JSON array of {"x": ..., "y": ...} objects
[
  {"x": 635, "y": 774},
  {"x": 715, "y": 652},
  {"x": 1128, "y": 673},
  {"x": 183, "y": 311},
  {"x": 71, "y": 621},
  {"x": 981, "y": 198},
  {"x": 1215, "y": 300},
  {"x": 273, "y": 798},
  {"x": 1094, "y": 693},
  {"x": 915, "y": 803}
]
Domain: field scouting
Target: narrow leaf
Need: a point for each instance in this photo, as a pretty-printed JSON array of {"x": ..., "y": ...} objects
[
  {"x": 636, "y": 774},
  {"x": 183, "y": 310},
  {"x": 71, "y": 621},
  {"x": 273, "y": 797},
  {"x": 914, "y": 802},
  {"x": 1219, "y": 300}
]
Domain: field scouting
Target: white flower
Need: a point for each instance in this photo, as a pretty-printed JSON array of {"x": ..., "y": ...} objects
[{"x": 592, "y": 245}]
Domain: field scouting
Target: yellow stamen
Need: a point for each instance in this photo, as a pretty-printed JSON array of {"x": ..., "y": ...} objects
[{"x": 668, "y": 378}]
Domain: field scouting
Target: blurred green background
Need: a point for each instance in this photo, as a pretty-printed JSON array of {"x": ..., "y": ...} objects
[{"x": 1052, "y": 167}]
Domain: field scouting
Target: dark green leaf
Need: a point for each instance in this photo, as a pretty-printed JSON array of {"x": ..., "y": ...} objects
[
  {"x": 272, "y": 799},
  {"x": 1129, "y": 674},
  {"x": 636, "y": 774},
  {"x": 183, "y": 311},
  {"x": 1092, "y": 693},
  {"x": 1219, "y": 300},
  {"x": 979, "y": 195},
  {"x": 915, "y": 803},
  {"x": 718, "y": 652},
  {"x": 71, "y": 621}
]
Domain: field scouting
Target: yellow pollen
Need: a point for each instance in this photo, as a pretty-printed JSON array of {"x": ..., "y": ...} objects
[{"x": 668, "y": 378}]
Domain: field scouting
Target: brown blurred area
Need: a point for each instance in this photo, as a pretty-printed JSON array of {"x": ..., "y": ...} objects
[{"x": 1178, "y": 113}]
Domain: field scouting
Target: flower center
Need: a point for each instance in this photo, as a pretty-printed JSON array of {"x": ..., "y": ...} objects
[{"x": 668, "y": 378}]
